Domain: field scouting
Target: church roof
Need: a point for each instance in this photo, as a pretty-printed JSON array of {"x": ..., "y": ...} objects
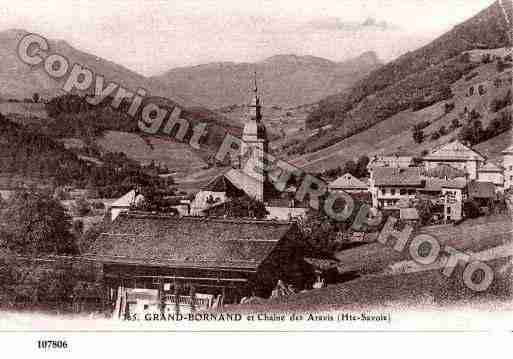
[
  {"x": 127, "y": 199},
  {"x": 189, "y": 242},
  {"x": 217, "y": 184},
  {"x": 243, "y": 181},
  {"x": 348, "y": 181},
  {"x": 454, "y": 151}
]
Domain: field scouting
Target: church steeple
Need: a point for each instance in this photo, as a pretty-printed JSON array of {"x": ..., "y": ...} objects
[
  {"x": 255, "y": 109},
  {"x": 254, "y": 138}
]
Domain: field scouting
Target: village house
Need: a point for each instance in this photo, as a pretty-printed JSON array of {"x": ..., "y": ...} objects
[
  {"x": 400, "y": 188},
  {"x": 508, "y": 167},
  {"x": 388, "y": 185},
  {"x": 492, "y": 173},
  {"x": 484, "y": 193},
  {"x": 457, "y": 155},
  {"x": 220, "y": 260},
  {"x": 349, "y": 184}
]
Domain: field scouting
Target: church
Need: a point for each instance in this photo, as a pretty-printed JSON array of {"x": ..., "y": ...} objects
[{"x": 242, "y": 179}]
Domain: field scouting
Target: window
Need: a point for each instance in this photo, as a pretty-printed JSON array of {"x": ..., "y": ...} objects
[
  {"x": 403, "y": 192},
  {"x": 392, "y": 191},
  {"x": 411, "y": 192},
  {"x": 448, "y": 210},
  {"x": 383, "y": 191},
  {"x": 511, "y": 168}
]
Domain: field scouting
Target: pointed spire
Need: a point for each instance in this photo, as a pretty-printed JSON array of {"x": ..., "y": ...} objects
[
  {"x": 256, "y": 86},
  {"x": 255, "y": 108}
]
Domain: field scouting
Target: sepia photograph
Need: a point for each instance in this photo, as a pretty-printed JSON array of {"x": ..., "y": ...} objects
[{"x": 263, "y": 166}]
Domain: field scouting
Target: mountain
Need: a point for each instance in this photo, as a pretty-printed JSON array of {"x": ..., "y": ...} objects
[
  {"x": 284, "y": 80},
  {"x": 429, "y": 88},
  {"x": 18, "y": 80},
  {"x": 369, "y": 102}
]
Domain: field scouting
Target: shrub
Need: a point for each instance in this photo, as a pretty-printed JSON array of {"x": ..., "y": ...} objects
[
  {"x": 418, "y": 135},
  {"x": 82, "y": 207},
  {"x": 448, "y": 107},
  {"x": 501, "y": 66},
  {"x": 435, "y": 136},
  {"x": 455, "y": 123},
  {"x": 471, "y": 76}
]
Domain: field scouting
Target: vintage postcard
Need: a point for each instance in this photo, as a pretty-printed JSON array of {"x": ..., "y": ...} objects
[{"x": 205, "y": 166}]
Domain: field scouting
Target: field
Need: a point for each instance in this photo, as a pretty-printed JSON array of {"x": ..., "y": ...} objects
[
  {"x": 25, "y": 109},
  {"x": 468, "y": 236},
  {"x": 177, "y": 157},
  {"x": 394, "y": 133}
]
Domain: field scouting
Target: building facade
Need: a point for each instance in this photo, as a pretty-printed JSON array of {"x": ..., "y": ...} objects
[{"x": 220, "y": 259}]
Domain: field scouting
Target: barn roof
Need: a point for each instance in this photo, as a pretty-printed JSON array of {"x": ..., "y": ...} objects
[
  {"x": 389, "y": 176},
  {"x": 127, "y": 199},
  {"x": 189, "y": 242},
  {"x": 455, "y": 151},
  {"x": 490, "y": 167},
  {"x": 436, "y": 184},
  {"x": 443, "y": 171}
]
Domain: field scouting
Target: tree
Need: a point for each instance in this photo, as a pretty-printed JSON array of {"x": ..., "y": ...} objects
[
  {"x": 82, "y": 207},
  {"x": 418, "y": 135},
  {"x": 435, "y": 136},
  {"x": 246, "y": 207},
  {"x": 361, "y": 166},
  {"x": 471, "y": 209},
  {"x": 37, "y": 224},
  {"x": 448, "y": 107},
  {"x": 425, "y": 210},
  {"x": 442, "y": 131},
  {"x": 455, "y": 123},
  {"x": 351, "y": 167}
]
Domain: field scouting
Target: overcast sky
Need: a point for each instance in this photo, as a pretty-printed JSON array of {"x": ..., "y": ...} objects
[{"x": 152, "y": 36}]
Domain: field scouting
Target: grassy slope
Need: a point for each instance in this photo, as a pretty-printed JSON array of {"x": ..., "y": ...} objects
[
  {"x": 178, "y": 157},
  {"x": 395, "y": 132}
]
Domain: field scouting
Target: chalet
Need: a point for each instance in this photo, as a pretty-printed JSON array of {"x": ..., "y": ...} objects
[
  {"x": 216, "y": 258},
  {"x": 348, "y": 183},
  {"x": 457, "y": 155},
  {"x": 508, "y": 167},
  {"x": 389, "y": 185},
  {"x": 484, "y": 193},
  {"x": 490, "y": 172}
]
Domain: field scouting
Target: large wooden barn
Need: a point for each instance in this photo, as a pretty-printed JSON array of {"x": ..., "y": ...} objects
[{"x": 226, "y": 258}]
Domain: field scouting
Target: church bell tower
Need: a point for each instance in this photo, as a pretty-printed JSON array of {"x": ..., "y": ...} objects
[{"x": 254, "y": 147}]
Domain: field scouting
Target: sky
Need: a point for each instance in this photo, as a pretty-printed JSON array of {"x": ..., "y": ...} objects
[{"x": 153, "y": 36}]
